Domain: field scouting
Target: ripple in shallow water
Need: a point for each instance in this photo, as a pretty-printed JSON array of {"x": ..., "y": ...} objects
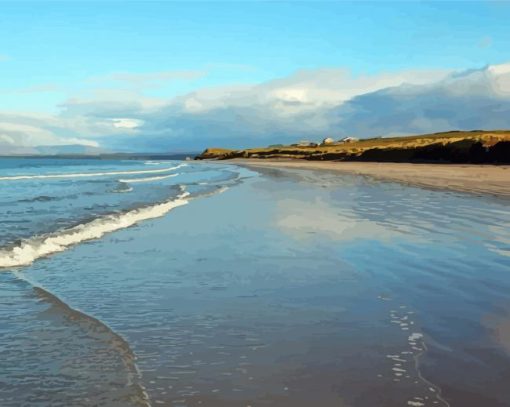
[{"x": 68, "y": 358}]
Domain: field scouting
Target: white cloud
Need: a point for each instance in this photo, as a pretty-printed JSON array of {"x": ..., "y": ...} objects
[
  {"x": 333, "y": 86},
  {"x": 307, "y": 89},
  {"x": 126, "y": 123},
  {"x": 21, "y": 138},
  {"x": 25, "y": 135},
  {"x": 82, "y": 142},
  {"x": 31, "y": 130},
  {"x": 500, "y": 69},
  {"x": 475, "y": 99},
  {"x": 307, "y": 104},
  {"x": 6, "y": 139}
]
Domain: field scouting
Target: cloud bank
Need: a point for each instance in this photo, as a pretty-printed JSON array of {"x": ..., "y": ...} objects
[
  {"x": 308, "y": 104},
  {"x": 476, "y": 99}
]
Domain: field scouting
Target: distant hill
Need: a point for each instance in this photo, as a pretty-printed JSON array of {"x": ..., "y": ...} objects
[
  {"x": 69, "y": 149},
  {"x": 81, "y": 151},
  {"x": 51, "y": 150}
]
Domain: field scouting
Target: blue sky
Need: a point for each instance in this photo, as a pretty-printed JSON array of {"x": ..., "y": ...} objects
[{"x": 51, "y": 52}]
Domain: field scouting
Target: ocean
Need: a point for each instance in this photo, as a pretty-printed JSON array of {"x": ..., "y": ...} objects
[{"x": 175, "y": 283}]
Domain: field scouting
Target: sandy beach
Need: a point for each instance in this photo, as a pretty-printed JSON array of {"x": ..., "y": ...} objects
[{"x": 476, "y": 179}]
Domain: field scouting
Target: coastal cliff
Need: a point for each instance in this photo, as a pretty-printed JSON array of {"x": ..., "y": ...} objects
[{"x": 475, "y": 147}]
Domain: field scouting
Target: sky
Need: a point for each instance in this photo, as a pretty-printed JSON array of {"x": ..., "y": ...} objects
[{"x": 119, "y": 74}]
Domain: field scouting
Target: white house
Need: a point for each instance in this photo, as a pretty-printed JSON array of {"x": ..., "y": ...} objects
[
  {"x": 348, "y": 140},
  {"x": 327, "y": 141}
]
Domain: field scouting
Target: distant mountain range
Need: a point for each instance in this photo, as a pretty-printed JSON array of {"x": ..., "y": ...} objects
[
  {"x": 77, "y": 150},
  {"x": 70, "y": 149}
]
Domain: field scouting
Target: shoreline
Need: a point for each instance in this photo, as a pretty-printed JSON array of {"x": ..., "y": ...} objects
[{"x": 476, "y": 179}]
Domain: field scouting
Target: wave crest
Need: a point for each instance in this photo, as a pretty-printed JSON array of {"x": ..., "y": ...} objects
[
  {"x": 89, "y": 174},
  {"x": 148, "y": 179},
  {"x": 29, "y": 250}
]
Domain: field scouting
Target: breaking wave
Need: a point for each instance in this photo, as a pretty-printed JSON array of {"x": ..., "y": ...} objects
[
  {"x": 31, "y": 249},
  {"x": 148, "y": 179},
  {"x": 89, "y": 174}
]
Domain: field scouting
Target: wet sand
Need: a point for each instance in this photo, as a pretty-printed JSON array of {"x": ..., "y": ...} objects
[{"x": 476, "y": 179}]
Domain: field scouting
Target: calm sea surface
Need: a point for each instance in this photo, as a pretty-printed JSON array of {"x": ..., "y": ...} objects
[{"x": 137, "y": 283}]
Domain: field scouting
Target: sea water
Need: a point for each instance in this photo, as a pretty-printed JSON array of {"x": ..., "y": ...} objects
[{"x": 206, "y": 284}]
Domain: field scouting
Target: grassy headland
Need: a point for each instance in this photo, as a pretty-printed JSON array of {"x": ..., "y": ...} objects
[{"x": 475, "y": 147}]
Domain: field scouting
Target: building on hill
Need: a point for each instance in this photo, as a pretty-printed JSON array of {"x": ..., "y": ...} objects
[
  {"x": 348, "y": 140},
  {"x": 328, "y": 141}
]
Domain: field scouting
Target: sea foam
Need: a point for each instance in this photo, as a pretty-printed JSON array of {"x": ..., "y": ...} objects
[
  {"x": 29, "y": 250},
  {"x": 148, "y": 179},
  {"x": 89, "y": 174}
]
